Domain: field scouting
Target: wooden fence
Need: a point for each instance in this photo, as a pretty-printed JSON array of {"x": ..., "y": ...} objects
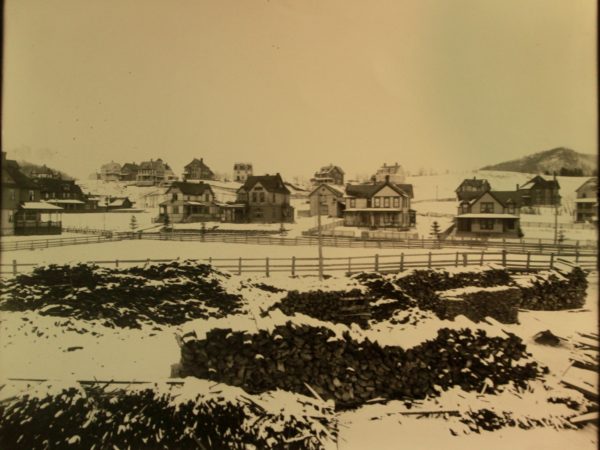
[{"x": 353, "y": 264}]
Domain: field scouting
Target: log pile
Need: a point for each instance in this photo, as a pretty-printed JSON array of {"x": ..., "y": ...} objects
[
  {"x": 351, "y": 372},
  {"x": 149, "y": 419},
  {"x": 500, "y": 303},
  {"x": 334, "y": 306},
  {"x": 552, "y": 290},
  {"x": 160, "y": 294}
]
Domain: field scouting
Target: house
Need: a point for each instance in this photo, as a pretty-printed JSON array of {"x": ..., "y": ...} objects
[
  {"x": 197, "y": 170},
  {"x": 153, "y": 173},
  {"x": 491, "y": 214},
  {"x": 129, "y": 172},
  {"x": 22, "y": 212},
  {"x": 394, "y": 173},
  {"x": 189, "y": 202},
  {"x": 329, "y": 174},
  {"x": 64, "y": 193},
  {"x": 110, "y": 171},
  {"x": 379, "y": 205},
  {"x": 241, "y": 172},
  {"x": 586, "y": 203},
  {"x": 540, "y": 192},
  {"x": 327, "y": 200},
  {"x": 42, "y": 172},
  {"x": 119, "y": 203},
  {"x": 262, "y": 199},
  {"x": 471, "y": 188}
]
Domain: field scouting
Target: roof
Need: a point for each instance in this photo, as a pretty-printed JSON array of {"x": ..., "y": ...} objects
[
  {"x": 329, "y": 168},
  {"x": 271, "y": 183},
  {"x": 119, "y": 201},
  {"x": 368, "y": 190},
  {"x": 590, "y": 183},
  {"x": 12, "y": 175},
  {"x": 40, "y": 206},
  {"x": 334, "y": 188},
  {"x": 58, "y": 185},
  {"x": 190, "y": 188},
  {"x": 487, "y": 216},
  {"x": 158, "y": 164},
  {"x": 475, "y": 183},
  {"x": 130, "y": 166},
  {"x": 539, "y": 182},
  {"x": 506, "y": 197},
  {"x": 197, "y": 162},
  {"x": 65, "y": 201}
]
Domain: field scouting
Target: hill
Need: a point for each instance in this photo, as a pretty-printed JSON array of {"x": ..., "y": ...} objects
[{"x": 563, "y": 161}]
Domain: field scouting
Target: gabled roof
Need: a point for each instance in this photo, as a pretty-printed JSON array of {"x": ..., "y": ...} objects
[
  {"x": 58, "y": 185},
  {"x": 158, "y": 164},
  {"x": 475, "y": 183},
  {"x": 130, "y": 166},
  {"x": 368, "y": 190},
  {"x": 334, "y": 188},
  {"x": 590, "y": 183},
  {"x": 12, "y": 175},
  {"x": 540, "y": 183},
  {"x": 190, "y": 188},
  {"x": 197, "y": 162},
  {"x": 328, "y": 169},
  {"x": 271, "y": 183},
  {"x": 505, "y": 198}
]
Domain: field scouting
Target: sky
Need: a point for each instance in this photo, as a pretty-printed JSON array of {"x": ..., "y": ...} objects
[{"x": 292, "y": 85}]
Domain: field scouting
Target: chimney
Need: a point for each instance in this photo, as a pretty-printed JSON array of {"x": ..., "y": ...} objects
[{"x": 387, "y": 178}]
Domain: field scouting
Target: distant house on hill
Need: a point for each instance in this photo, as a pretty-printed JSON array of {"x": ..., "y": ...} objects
[
  {"x": 393, "y": 172},
  {"x": 241, "y": 172},
  {"x": 327, "y": 200},
  {"x": 64, "y": 193},
  {"x": 540, "y": 192},
  {"x": 491, "y": 214},
  {"x": 110, "y": 171},
  {"x": 154, "y": 172},
  {"x": 586, "y": 203},
  {"x": 129, "y": 172},
  {"x": 471, "y": 188},
  {"x": 21, "y": 208},
  {"x": 189, "y": 202},
  {"x": 261, "y": 199},
  {"x": 329, "y": 174},
  {"x": 197, "y": 170},
  {"x": 379, "y": 205}
]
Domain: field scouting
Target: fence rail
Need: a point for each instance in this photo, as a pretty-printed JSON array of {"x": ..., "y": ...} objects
[{"x": 352, "y": 264}]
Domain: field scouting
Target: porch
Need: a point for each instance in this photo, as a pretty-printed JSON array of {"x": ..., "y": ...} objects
[{"x": 373, "y": 218}]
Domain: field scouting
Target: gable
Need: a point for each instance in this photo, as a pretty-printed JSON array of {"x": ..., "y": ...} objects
[
  {"x": 488, "y": 198},
  {"x": 388, "y": 191}
]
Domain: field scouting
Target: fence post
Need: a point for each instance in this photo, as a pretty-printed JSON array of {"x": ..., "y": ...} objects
[
  {"x": 429, "y": 261},
  {"x": 504, "y": 242},
  {"x": 456, "y": 260},
  {"x": 541, "y": 249},
  {"x": 465, "y": 259},
  {"x": 423, "y": 242},
  {"x": 376, "y": 262},
  {"x": 117, "y": 263},
  {"x": 14, "y": 266},
  {"x": 240, "y": 266},
  {"x": 576, "y": 252},
  {"x": 552, "y": 260},
  {"x": 482, "y": 257},
  {"x": 267, "y": 266},
  {"x": 401, "y": 261},
  {"x": 293, "y": 266},
  {"x": 47, "y": 243},
  {"x": 349, "y": 264},
  {"x": 210, "y": 260},
  {"x": 504, "y": 257},
  {"x": 528, "y": 260}
]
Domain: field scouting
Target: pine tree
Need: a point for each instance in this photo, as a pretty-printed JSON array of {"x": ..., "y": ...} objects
[
  {"x": 133, "y": 223},
  {"x": 435, "y": 230}
]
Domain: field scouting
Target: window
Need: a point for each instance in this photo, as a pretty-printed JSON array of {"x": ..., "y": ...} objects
[
  {"x": 510, "y": 224},
  {"x": 352, "y": 203},
  {"x": 12, "y": 194},
  {"x": 262, "y": 197},
  {"x": 176, "y": 209},
  {"x": 386, "y": 202},
  {"x": 254, "y": 197},
  {"x": 396, "y": 202},
  {"x": 487, "y": 207},
  {"x": 486, "y": 224},
  {"x": 511, "y": 208},
  {"x": 377, "y": 202},
  {"x": 465, "y": 208},
  {"x": 174, "y": 197},
  {"x": 31, "y": 196},
  {"x": 207, "y": 197}
]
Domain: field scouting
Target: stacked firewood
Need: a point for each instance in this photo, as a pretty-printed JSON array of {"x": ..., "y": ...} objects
[
  {"x": 350, "y": 372},
  {"x": 500, "y": 303},
  {"x": 158, "y": 294},
  {"x": 220, "y": 417},
  {"x": 552, "y": 290}
]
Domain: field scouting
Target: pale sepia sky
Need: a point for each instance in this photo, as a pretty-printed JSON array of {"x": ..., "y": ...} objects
[{"x": 291, "y": 85}]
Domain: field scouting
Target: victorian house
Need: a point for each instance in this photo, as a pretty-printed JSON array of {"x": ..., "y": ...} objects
[
  {"x": 586, "y": 203},
  {"x": 379, "y": 205},
  {"x": 64, "y": 193},
  {"x": 329, "y": 174},
  {"x": 394, "y": 173},
  {"x": 327, "y": 200},
  {"x": 197, "y": 170},
  {"x": 154, "y": 172},
  {"x": 110, "y": 171},
  {"x": 189, "y": 202},
  {"x": 540, "y": 192},
  {"x": 241, "y": 172},
  {"x": 471, "y": 188},
  {"x": 491, "y": 214}
]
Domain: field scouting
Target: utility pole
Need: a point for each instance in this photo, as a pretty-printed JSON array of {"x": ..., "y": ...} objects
[
  {"x": 555, "y": 200},
  {"x": 320, "y": 240}
]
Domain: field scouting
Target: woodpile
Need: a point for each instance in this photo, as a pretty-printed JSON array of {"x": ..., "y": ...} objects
[
  {"x": 350, "y": 372},
  {"x": 552, "y": 290},
  {"x": 160, "y": 294},
  {"x": 223, "y": 418},
  {"x": 477, "y": 303}
]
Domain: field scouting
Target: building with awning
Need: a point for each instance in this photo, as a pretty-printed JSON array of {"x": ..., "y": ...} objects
[{"x": 38, "y": 218}]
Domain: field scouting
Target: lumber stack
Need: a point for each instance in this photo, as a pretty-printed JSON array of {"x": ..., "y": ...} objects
[
  {"x": 552, "y": 290},
  {"x": 349, "y": 372},
  {"x": 477, "y": 303},
  {"x": 161, "y": 294}
]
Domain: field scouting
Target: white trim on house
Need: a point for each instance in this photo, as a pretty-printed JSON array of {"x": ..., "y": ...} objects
[{"x": 486, "y": 216}]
